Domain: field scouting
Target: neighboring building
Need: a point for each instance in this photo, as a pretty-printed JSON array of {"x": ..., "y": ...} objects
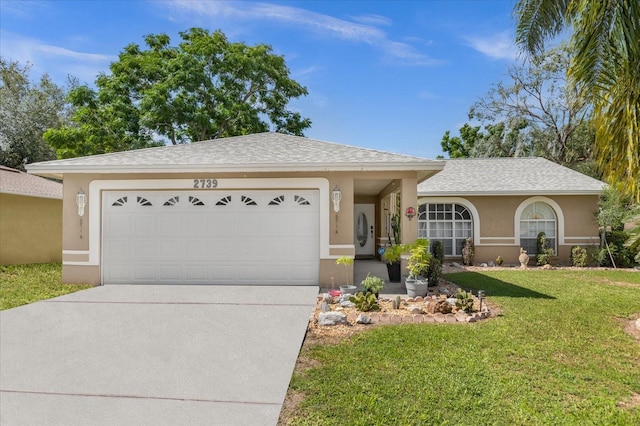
[
  {"x": 503, "y": 203},
  {"x": 30, "y": 218},
  {"x": 266, "y": 208}
]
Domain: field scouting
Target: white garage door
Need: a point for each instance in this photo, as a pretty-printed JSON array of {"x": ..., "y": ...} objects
[{"x": 211, "y": 237}]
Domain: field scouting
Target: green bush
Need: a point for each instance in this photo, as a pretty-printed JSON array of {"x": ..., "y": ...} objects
[
  {"x": 437, "y": 250},
  {"x": 578, "y": 256},
  {"x": 464, "y": 301},
  {"x": 372, "y": 284},
  {"x": 622, "y": 255},
  {"x": 544, "y": 253},
  {"x": 434, "y": 272},
  {"x": 365, "y": 302}
]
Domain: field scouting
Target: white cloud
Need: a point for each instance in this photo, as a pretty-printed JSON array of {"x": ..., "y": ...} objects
[
  {"x": 496, "y": 46},
  {"x": 362, "y": 31},
  {"x": 57, "y": 61}
]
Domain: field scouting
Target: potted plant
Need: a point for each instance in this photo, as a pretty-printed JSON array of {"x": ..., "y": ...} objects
[
  {"x": 372, "y": 285},
  {"x": 418, "y": 265},
  {"x": 392, "y": 257}
]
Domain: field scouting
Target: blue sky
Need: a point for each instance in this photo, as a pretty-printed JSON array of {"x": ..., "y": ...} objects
[{"x": 389, "y": 75}]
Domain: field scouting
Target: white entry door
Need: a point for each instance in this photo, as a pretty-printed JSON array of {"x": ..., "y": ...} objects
[
  {"x": 211, "y": 237},
  {"x": 364, "y": 229}
]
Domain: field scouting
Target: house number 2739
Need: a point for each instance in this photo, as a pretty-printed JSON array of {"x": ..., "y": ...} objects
[{"x": 205, "y": 183}]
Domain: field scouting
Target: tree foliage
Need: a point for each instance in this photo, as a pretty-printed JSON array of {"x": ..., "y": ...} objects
[
  {"x": 27, "y": 109},
  {"x": 605, "y": 65},
  {"x": 536, "y": 112},
  {"x": 204, "y": 88}
]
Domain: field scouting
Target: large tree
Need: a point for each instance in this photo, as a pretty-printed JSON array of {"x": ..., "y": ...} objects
[
  {"x": 536, "y": 110},
  {"x": 204, "y": 88},
  {"x": 27, "y": 109},
  {"x": 605, "y": 39}
]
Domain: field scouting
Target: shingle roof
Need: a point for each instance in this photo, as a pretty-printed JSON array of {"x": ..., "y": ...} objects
[
  {"x": 488, "y": 176},
  {"x": 16, "y": 182},
  {"x": 256, "y": 152}
]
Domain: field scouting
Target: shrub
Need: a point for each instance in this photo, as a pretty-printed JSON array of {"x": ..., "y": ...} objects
[
  {"x": 365, "y": 302},
  {"x": 622, "y": 255},
  {"x": 419, "y": 257},
  {"x": 372, "y": 284},
  {"x": 468, "y": 252},
  {"x": 464, "y": 301},
  {"x": 434, "y": 272},
  {"x": 578, "y": 256},
  {"x": 437, "y": 251},
  {"x": 499, "y": 261},
  {"x": 544, "y": 253}
]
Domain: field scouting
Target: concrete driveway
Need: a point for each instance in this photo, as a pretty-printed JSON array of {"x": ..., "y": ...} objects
[{"x": 152, "y": 355}]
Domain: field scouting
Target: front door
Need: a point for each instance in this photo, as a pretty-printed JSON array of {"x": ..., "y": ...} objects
[{"x": 364, "y": 228}]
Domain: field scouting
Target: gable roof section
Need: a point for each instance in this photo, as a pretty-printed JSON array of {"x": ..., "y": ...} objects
[
  {"x": 16, "y": 182},
  {"x": 507, "y": 176},
  {"x": 263, "y": 152}
]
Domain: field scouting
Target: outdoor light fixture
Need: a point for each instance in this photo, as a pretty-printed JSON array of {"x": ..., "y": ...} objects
[
  {"x": 411, "y": 212},
  {"x": 336, "y": 196},
  {"x": 81, "y": 200},
  {"x": 480, "y": 296}
]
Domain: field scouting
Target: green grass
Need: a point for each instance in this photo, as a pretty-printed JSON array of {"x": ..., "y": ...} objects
[
  {"x": 22, "y": 284},
  {"x": 557, "y": 355}
]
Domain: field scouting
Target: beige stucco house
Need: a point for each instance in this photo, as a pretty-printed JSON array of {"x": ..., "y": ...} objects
[
  {"x": 266, "y": 208},
  {"x": 30, "y": 218},
  {"x": 503, "y": 203}
]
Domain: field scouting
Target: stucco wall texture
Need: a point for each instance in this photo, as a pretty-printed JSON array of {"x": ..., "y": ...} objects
[{"x": 30, "y": 230}]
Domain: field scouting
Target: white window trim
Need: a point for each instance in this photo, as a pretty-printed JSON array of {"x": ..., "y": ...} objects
[
  {"x": 556, "y": 209},
  {"x": 475, "y": 217},
  {"x": 97, "y": 186}
]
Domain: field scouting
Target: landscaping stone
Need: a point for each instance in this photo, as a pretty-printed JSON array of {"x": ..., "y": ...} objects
[
  {"x": 414, "y": 309},
  {"x": 455, "y": 264},
  {"x": 347, "y": 304},
  {"x": 418, "y": 318},
  {"x": 418, "y": 299},
  {"x": 332, "y": 318},
  {"x": 327, "y": 298},
  {"x": 471, "y": 318},
  {"x": 461, "y": 316},
  {"x": 450, "y": 318},
  {"x": 396, "y": 319},
  {"x": 363, "y": 319},
  {"x": 324, "y": 307},
  {"x": 638, "y": 323},
  {"x": 427, "y": 318},
  {"x": 438, "y": 317},
  {"x": 344, "y": 297}
]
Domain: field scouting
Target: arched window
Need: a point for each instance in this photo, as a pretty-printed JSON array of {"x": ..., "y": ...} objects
[
  {"x": 449, "y": 223},
  {"x": 535, "y": 218}
]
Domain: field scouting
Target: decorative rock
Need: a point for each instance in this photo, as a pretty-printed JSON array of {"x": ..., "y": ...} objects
[
  {"x": 331, "y": 318},
  {"x": 344, "y": 297},
  {"x": 339, "y": 308},
  {"x": 384, "y": 318},
  {"x": 324, "y": 307},
  {"x": 427, "y": 318},
  {"x": 363, "y": 319},
  {"x": 347, "y": 304},
  {"x": 471, "y": 319},
  {"x": 461, "y": 316},
  {"x": 327, "y": 298},
  {"x": 452, "y": 301},
  {"x": 414, "y": 309},
  {"x": 438, "y": 317},
  {"x": 396, "y": 319},
  {"x": 418, "y": 318},
  {"x": 418, "y": 299},
  {"x": 491, "y": 263},
  {"x": 411, "y": 300},
  {"x": 546, "y": 267},
  {"x": 443, "y": 290},
  {"x": 450, "y": 318},
  {"x": 484, "y": 265}
]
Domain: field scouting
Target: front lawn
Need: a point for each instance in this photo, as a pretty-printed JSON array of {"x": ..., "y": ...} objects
[
  {"x": 557, "y": 355},
  {"x": 22, "y": 284}
]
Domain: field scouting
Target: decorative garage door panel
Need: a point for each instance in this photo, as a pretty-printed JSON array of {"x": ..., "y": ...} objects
[{"x": 212, "y": 237}]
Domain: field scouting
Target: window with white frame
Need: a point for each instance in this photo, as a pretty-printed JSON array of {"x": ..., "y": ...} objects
[
  {"x": 535, "y": 218},
  {"x": 449, "y": 223}
]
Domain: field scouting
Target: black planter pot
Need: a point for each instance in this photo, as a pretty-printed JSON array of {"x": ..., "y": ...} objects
[{"x": 394, "y": 272}]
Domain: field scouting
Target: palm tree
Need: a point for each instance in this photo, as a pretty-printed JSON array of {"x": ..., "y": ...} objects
[{"x": 606, "y": 42}]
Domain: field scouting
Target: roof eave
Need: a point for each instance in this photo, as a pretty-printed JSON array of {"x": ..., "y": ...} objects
[
  {"x": 512, "y": 193},
  {"x": 57, "y": 171}
]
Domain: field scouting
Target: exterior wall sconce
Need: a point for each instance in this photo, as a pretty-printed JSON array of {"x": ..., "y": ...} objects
[
  {"x": 336, "y": 196},
  {"x": 81, "y": 201},
  {"x": 410, "y": 213}
]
